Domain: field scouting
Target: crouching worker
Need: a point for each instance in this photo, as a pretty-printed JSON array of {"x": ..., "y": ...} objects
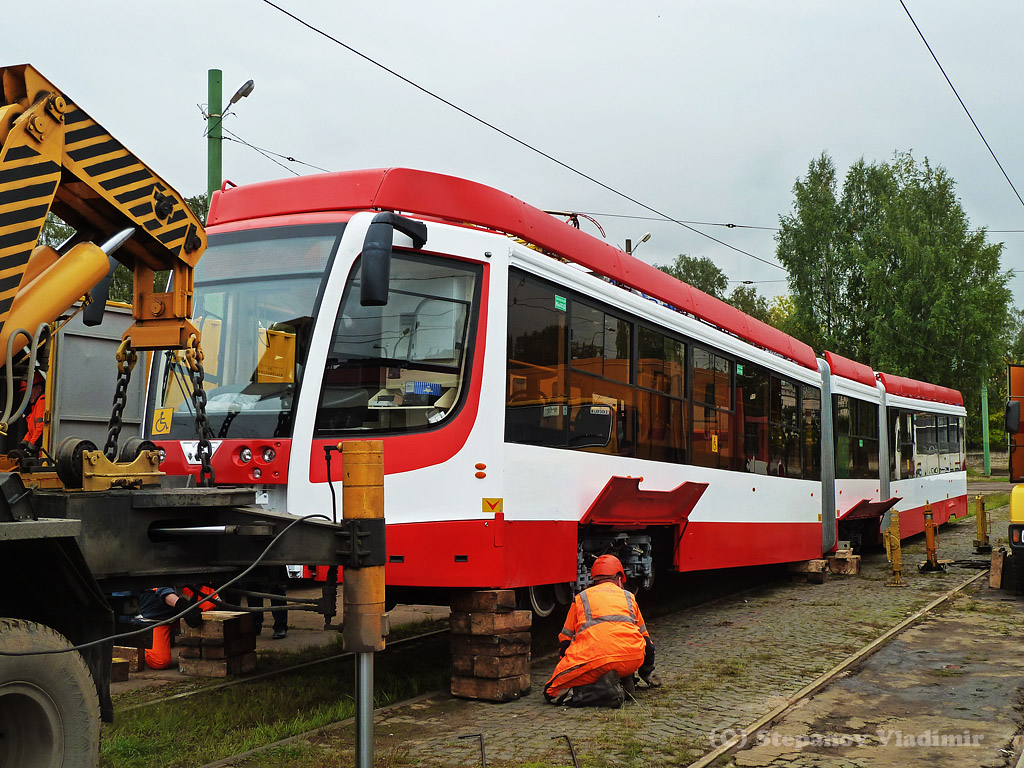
[
  {"x": 603, "y": 644},
  {"x": 163, "y": 603}
]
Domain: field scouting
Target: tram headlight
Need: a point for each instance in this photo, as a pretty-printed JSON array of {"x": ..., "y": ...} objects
[
  {"x": 245, "y": 455},
  {"x": 269, "y": 455}
]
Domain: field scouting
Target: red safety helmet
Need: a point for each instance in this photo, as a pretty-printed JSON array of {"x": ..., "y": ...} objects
[{"x": 607, "y": 565}]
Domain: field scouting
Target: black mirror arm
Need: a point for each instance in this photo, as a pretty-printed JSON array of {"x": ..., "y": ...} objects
[{"x": 416, "y": 230}]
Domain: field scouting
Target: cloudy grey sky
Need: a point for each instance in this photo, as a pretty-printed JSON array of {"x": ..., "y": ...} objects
[{"x": 707, "y": 111}]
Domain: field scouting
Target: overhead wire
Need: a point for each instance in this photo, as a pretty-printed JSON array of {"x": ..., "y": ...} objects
[
  {"x": 955, "y": 93},
  {"x": 511, "y": 137}
]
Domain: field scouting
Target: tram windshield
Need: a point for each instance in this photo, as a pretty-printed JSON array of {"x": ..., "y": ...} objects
[{"x": 256, "y": 296}]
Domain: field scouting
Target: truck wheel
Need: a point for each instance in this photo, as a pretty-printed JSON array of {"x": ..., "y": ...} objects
[{"x": 49, "y": 711}]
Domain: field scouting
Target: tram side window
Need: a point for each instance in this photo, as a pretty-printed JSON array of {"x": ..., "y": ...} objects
[
  {"x": 602, "y": 410},
  {"x": 537, "y": 406},
  {"x": 810, "y": 435},
  {"x": 752, "y": 413},
  {"x": 784, "y": 459},
  {"x": 713, "y": 435},
  {"x": 661, "y": 369},
  {"x": 901, "y": 444},
  {"x": 856, "y": 438}
]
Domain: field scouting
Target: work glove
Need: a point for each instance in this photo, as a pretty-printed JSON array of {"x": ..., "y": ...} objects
[
  {"x": 563, "y": 647},
  {"x": 193, "y": 616}
]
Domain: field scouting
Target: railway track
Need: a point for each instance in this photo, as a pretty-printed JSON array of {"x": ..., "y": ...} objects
[
  {"x": 742, "y": 735},
  {"x": 292, "y": 668}
]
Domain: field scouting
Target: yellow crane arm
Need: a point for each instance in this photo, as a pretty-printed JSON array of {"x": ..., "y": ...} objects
[{"x": 53, "y": 156}]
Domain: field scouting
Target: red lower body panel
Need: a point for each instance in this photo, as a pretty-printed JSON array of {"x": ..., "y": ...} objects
[
  {"x": 708, "y": 545},
  {"x": 912, "y": 520},
  {"x": 484, "y": 554}
]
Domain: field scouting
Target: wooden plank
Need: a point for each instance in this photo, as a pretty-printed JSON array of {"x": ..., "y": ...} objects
[
  {"x": 222, "y": 625},
  {"x": 484, "y": 601},
  {"x": 491, "y": 666},
  {"x": 508, "y": 644},
  {"x": 499, "y": 690},
  {"x": 224, "y": 649},
  {"x": 190, "y": 652},
  {"x": 995, "y": 574},
  {"x": 118, "y": 670},
  {"x": 490, "y": 623},
  {"x": 236, "y": 665},
  {"x": 136, "y": 657},
  {"x": 808, "y": 566},
  {"x": 844, "y": 566}
]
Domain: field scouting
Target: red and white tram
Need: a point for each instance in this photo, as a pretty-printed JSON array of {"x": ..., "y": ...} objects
[{"x": 542, "y": 396}]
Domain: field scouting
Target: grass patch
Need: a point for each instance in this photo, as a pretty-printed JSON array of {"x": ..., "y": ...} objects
[{"x": 201, "y": 729}]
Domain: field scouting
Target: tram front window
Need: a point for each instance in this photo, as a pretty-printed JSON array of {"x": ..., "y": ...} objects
[
  {"x": 255, "y": 299},
  {"x": 401, "y": 367}
]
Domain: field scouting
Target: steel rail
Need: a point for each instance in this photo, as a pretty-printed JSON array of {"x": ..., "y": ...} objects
[{"x": 742, "y": 735}]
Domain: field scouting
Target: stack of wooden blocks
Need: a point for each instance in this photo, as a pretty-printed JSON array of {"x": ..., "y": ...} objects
[
  {"x": 844, "y": 563},
  {"x": 490, "y": 646},
  {"x": 126, "y": 659},
  {"x": 224, "y": 644}
]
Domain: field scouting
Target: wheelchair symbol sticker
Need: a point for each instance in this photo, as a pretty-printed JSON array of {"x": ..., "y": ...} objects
[{"x": 162, "y": 421}]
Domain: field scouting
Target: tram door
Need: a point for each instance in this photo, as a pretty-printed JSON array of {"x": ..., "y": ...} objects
[{"x": 1015, "y": 391}]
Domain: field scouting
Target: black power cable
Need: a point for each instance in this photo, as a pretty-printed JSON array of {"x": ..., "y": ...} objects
[
  {"x": 517, "y": 140},
  {"x": 195, "y": 606}
]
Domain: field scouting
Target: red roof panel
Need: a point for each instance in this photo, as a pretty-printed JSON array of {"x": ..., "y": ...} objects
[{"x": 454, "y": 199}]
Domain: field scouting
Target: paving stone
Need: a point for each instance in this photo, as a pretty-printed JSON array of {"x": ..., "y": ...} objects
[{"x": 723, "y": 665}]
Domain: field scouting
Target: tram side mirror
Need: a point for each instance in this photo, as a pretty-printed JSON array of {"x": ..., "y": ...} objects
[
  {"x": 1012, "y": 417},
  {"x": 376, "y": 266}
]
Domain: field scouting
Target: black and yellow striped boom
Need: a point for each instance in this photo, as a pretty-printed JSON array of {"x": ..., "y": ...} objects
[{"x": 53, "y": 156}]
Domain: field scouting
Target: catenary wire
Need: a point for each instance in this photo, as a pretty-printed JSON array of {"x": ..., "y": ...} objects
[
  {"x": 517, "y": 140},
  {"x": 971, "y": 117}
]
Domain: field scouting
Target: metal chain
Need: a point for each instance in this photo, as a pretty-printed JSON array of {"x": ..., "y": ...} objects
[
  {"x": 126, "y": 359},
  {"x": 204, "y": 452}
]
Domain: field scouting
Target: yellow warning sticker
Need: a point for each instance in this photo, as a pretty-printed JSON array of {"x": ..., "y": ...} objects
[
  {"x": 162, "y": 421},
  {"x": 492, "y": 506},
  {"x": 714, "y": 443}
]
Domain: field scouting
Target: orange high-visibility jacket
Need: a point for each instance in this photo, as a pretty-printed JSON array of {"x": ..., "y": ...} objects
[{"x": 606, "y": 631}]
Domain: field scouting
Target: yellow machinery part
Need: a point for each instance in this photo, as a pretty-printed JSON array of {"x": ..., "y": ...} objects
[
  {"x": 1017, "y": 504},
  {"x": 55, "y": 156},
  {"x": 52, "y": 292}
]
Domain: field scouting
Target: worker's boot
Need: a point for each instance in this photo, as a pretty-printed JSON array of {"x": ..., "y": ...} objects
[{"x": 628, "y": 684}]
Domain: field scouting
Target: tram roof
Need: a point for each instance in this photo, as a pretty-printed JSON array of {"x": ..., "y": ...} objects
[
  {"x": 920, "y": 390},
  {"x": 850, "y": 369},
  {"x": 461, "y": 201}
]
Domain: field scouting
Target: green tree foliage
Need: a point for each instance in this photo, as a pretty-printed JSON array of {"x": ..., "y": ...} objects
[
  {"x": 702, "y": 273},
  {"x": 891, "y": 273},
  {"x": 746, "y": 299}
]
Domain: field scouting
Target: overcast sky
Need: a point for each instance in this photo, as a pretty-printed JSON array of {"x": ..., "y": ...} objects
[{"x": 707, "y": 111}]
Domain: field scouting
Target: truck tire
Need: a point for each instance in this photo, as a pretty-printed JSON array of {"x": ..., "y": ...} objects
[{"x": 49, "y": 711}]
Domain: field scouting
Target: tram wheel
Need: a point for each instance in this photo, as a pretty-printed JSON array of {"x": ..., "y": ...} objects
[{"x": 543, "y": 600}]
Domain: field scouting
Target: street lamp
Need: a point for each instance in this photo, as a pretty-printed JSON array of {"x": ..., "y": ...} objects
[
  {"x": 629, "y": 243},
  {"x": 214, "y": 135}
]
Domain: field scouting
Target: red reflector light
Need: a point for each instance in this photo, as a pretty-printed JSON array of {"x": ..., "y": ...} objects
[{"x": 1016, "y": 535}]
